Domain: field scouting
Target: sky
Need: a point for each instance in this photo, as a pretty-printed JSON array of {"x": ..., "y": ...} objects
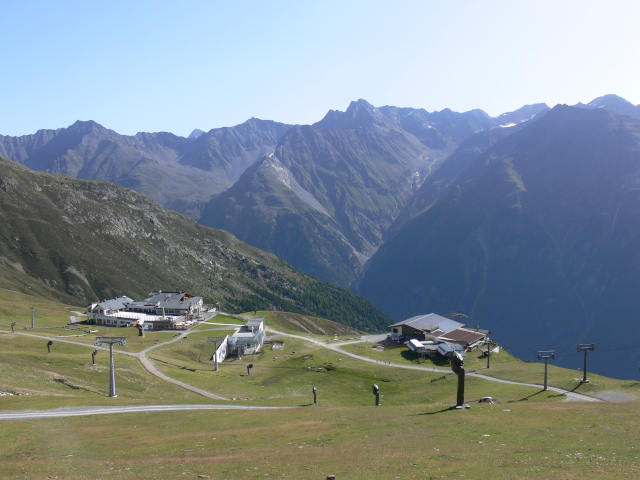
[{"x": 151, "y": 66}]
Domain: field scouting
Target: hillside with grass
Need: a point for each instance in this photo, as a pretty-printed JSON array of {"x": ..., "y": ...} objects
[
  {"x": 67, "y": 239},
  {"x": 414, "y": 433}
]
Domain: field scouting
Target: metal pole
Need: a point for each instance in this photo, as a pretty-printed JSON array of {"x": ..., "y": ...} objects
[
  {"x": 315, "y": 399},
  {"x": 546, "y": 355},
  {"x": 32, "y": 319},
  {"x": 489, "y": 355},
  {"x": 112, "y": 380},
  {"x": 586, "y": 348}
]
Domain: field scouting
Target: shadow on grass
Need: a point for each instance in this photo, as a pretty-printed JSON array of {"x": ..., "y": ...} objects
[
  {"x": 523, "y": 399},
  {"x": 74, "y": 387},
  {"x": 447, "y": 409}
]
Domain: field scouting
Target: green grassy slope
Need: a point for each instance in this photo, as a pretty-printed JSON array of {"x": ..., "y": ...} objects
[
  {"x": 64, "y": 238},
  {"x": 413, "y": 434}
]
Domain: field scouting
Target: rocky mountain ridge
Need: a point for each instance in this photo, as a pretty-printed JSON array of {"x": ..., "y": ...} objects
[{"x": 180, "y": 173}]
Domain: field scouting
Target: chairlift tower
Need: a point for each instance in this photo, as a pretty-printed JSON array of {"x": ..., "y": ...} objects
[
  {"x": 585, "y": 347},
  {"x": 546, "y": 355},
  {"x": 215, "y": 341},
  {"x": 111, "y": 341}
]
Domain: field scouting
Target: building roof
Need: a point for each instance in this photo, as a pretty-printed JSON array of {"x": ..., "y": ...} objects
[
  {"x": 172, "y": 300},
  {"x": 464, "y": 336},
  {"x": 255, "y": 322},
  {"x": 251, "y": 329},
  {"x": 430, "y": 323},
  {"x": 115, "y": 303}
]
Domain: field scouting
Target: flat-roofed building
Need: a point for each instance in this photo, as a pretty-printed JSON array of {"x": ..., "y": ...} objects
[{"x": 248, "y": 338}]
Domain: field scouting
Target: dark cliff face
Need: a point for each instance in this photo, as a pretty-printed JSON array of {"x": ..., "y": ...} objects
[
  {"x": 93, "y": 240},
  {"x": 536, "y": 237}
]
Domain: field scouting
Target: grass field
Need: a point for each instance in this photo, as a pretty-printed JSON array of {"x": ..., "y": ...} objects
[
  {"x": 413, "y": 434},
  {"x": 522, "y": 440}
]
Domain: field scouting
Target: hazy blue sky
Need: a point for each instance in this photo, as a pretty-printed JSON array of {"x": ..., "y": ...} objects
[{"x": 175, "y": 66}]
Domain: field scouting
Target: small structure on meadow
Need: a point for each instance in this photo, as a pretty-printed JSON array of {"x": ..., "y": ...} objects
[
  {"x": 277, "y": 344},
  {"x": 248, "y": 338}
]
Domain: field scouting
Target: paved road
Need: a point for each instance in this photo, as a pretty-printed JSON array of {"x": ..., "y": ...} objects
[{"x": 102, "y": 410}]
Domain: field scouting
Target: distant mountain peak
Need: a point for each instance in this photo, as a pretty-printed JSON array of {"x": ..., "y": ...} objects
[
  {"x": 361, "y": 102},
  {"x": 610, "y": 99},
  {"x": 523, "y": 114},
  {"x": 196, "y": 133},
  {"x": 613, "y": 103},
  {"x": 360, "y": 113}
]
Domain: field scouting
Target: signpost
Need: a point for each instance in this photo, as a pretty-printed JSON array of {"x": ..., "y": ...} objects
[
  {"x": 586, "y": 347},
  {"x": 546, "y": 355},
  {"x": 111, "y": 341}
]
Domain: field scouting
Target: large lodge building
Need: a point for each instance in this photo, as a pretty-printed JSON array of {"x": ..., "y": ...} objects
[{"x": 161, "y": 311}]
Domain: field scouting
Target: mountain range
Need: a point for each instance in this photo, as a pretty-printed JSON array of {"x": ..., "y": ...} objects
[
  {"x": 325, "y": 197},
  {"x": 524, "y": 220},
  {"x": 180, "y": 173}
]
